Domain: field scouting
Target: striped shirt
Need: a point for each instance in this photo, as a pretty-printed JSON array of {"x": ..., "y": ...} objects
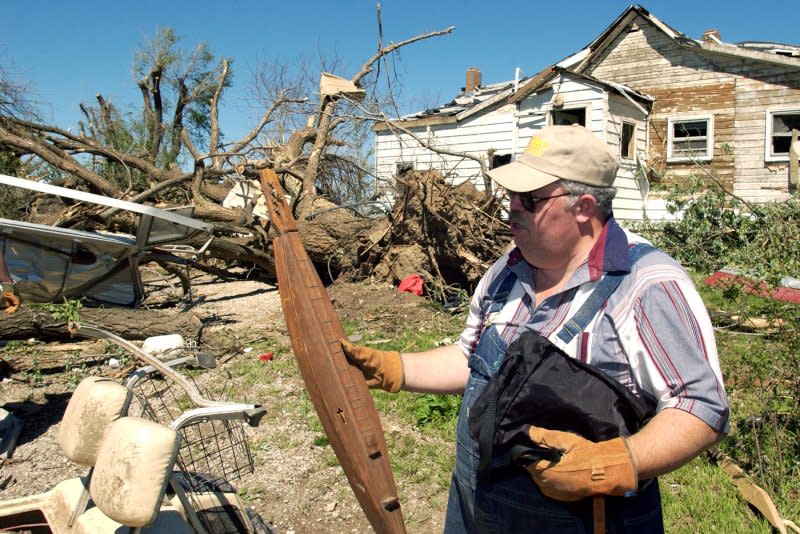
[{"x": 653, "y": 335}]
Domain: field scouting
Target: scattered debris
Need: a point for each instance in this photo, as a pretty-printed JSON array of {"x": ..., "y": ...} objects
[{"x": 788, "y": 291}]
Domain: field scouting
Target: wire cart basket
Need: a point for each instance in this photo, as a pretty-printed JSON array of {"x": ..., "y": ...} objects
[{"x": 214, "y": 448}]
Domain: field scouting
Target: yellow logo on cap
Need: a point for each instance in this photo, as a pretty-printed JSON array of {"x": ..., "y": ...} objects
[{"x": 536, "y": 146}]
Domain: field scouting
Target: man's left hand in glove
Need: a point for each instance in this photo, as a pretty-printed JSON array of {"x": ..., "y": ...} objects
[{"x": 586, "y": 468}]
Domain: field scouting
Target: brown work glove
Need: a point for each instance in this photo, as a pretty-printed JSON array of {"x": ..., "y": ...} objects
[
  {"x": 9, "y": 301},
  {"x": 382, "y": 369},
  {"x": 586, "y": 468}
]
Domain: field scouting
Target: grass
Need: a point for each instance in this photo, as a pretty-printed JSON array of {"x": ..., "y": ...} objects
[
  {"x": 420, "y": 429},
  {"x": 699, "y": 497}
]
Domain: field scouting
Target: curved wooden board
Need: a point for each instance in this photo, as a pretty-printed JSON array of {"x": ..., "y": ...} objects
[{"x": 337, "y": 389}]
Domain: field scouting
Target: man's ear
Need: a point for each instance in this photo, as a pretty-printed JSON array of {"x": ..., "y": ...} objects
[{"x": 586, "y": 208}]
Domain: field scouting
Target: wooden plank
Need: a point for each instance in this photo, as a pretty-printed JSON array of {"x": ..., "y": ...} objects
[
  {"x": 336, "y": 388},
  {"x": 754, "y": 495}
]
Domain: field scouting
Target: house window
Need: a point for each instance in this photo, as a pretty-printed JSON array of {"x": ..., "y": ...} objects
[
  {"x": 499, "y": 160},
  {"x": 690, "y": 139},
  {"x": 627, "y": 142},
  {"x": 779, "y": 133},
  {"x": 568, "y": 116},
  {"x": 403, "y": 167}
]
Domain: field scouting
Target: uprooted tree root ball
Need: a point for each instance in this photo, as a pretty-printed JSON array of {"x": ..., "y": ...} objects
[{"x": 447, "y": 234}]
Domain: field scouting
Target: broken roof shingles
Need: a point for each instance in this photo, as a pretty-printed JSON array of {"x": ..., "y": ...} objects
[
  {"x": 462, "y": 102},
  {"x": 466, "y": 104}
]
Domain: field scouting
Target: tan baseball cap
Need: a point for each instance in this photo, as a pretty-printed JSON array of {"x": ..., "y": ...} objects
[{"x": 559, "y": 152}]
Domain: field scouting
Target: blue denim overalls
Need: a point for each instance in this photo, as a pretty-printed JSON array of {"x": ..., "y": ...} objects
[{"x": 516, "y": 505}]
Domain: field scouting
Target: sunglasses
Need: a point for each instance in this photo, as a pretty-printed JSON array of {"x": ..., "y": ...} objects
[{"x": 529, "y": 201}]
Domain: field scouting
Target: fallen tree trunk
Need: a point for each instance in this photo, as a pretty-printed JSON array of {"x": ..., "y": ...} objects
[
  {"x": 132, "y": 324},
  {"x": 54, "y": 358}
]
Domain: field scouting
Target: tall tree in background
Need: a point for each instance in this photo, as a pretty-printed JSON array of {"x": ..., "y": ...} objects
[{"x": 172, "y": 149}]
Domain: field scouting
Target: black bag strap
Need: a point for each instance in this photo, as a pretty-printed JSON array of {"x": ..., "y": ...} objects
[{"x": 486, "y": 440}]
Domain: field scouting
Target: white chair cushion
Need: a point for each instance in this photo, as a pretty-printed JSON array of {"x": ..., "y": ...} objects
[
  {"x": 95, "y": 404},
  {"x": 132, "y": 470}
]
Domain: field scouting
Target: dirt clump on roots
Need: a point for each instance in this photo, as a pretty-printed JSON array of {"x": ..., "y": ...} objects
[{"x": 447, "y": 234}]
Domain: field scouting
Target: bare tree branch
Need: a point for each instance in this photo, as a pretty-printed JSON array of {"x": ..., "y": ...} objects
[
  {"x": 367, "y": 67},
  {"x": 214, "y": 127},
  {"x": 56, "y": 158}
]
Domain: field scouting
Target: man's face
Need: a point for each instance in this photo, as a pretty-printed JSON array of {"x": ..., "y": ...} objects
[{"x": 543, "y": 224}]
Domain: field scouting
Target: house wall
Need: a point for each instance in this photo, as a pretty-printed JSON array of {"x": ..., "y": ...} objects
[
  {"x": 628, "y": 202},
  {"x": 756, "y": 178},
  {"x": 737, "y": 92},
  {"x": 475, "y": 135},
  {"x": 507, "y": 131}
]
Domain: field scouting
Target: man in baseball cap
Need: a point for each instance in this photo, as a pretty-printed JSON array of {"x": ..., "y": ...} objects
[
  {"x": 561, "y": 190},
  {"x": 649, "y": 331}
]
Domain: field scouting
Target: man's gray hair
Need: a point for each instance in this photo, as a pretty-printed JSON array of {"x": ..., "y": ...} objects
[{"x": 603, "y": 195}]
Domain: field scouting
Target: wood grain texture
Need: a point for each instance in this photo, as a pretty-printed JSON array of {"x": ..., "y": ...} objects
[{"x": 337, "y": 389}]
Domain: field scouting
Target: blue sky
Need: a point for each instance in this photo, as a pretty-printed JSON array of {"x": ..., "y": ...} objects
[{"x": 69, "y": 51}]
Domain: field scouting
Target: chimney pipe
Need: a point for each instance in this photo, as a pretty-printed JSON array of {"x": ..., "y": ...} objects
[
  {"x": 473, "y": 80},
  {"x": 711, "y": 36}
]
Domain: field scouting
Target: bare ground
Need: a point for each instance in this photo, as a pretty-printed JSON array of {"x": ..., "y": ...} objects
[{"x": 297, "y": 485}]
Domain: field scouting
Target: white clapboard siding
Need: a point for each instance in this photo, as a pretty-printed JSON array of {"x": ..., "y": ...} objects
[
  {"x": 474, "y": 135},
  {"x": 735, "y": 90}
]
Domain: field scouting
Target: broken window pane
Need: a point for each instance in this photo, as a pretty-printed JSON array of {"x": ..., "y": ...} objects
[{"x": 782, "y": 125}]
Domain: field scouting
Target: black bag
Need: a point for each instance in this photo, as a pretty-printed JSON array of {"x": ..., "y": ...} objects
[{"x": 538, "y": 384}]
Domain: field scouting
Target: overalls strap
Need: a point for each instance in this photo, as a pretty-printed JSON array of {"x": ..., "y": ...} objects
[
  {"x": 499, "y": 289},
  {"x": 605, "y": 287}
]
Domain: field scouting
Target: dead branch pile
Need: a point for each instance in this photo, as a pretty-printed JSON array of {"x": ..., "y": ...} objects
[{"x": 447, "y": 234}]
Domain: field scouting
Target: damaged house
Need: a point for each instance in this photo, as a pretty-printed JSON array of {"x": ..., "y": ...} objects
[{"x": 668, "y": 105}]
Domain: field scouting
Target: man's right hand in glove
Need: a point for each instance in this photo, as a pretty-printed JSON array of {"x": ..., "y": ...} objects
[{"x": 382, "y": 369}]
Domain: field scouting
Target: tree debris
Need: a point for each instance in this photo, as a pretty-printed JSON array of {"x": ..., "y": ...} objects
[{"x": 448, "y": 234}]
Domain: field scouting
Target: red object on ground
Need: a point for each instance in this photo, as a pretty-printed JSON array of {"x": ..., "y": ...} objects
[
  {"x": 784, "y": 293},
  {"x": 267, "y": 356},
  {"x": 412, "y": 284}
]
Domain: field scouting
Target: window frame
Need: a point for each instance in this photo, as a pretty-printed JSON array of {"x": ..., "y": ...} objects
[
  {"x": 572, "y": 106},
  {"x": 709, "y": 152},
  {"x": 631, "y": 145},
  {"x": 768, "y": 132}
]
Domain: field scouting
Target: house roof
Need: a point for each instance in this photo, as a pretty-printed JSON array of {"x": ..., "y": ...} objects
[
  {"x": 777, "y": 53},
  {"x": 466, "y": 104},
  {"x": 542, "y": 80}
]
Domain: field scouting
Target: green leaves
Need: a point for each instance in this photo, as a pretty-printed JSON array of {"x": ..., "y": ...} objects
[
  {"x": 433, "y": 409},
  {"x": 761, "y": 365}
]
